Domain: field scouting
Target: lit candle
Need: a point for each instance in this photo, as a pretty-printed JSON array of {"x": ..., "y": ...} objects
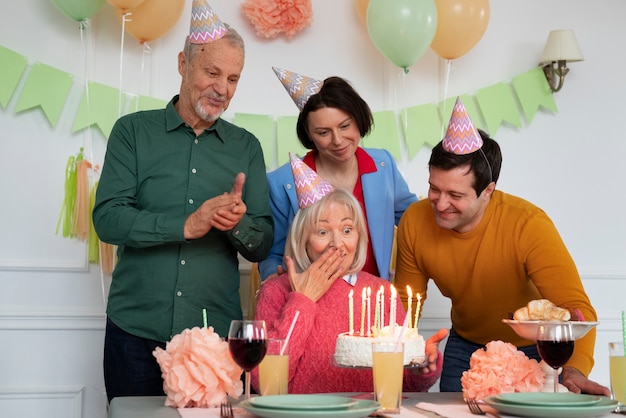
[
  {"x": 369, "y": 311},
  {"x": 382, "y": 306},
  {"x": 377, "y": 314},
  {"x": 392, "y": 308},
  {"x": 363, "y": 296},
  {"x": 409, "y": 303},
  {"x": 351, "y": 311},
  {"x": 417, "y": 308}
]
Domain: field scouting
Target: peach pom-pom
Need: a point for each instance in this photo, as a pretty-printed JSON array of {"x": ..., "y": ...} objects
[
  {"x": 198, "y": 370},
  {"x": 272, "y": 17},
  {"x": 501, "y": 368}
]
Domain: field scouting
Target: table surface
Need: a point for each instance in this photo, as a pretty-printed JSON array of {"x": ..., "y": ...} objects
[{"x": 153, "y": 406}]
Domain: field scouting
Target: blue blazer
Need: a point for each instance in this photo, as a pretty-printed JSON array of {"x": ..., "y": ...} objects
[{"x": 386, "y": 196}]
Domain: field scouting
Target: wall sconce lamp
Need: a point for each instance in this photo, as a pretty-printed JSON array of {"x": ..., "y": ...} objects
[{"x": 560, "y": 48}]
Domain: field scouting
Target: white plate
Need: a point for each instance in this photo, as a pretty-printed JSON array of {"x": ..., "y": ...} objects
[
  {"x": 548, "y": 399},
  {"x": 361, "y": 408},
  {"x": 605, "y": 406},
  {"x": 300, "y": 402},
  {"x": 528, "y": 329}
]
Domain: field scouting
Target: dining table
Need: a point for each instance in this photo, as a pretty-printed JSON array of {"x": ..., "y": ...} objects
[{"x": 414, "y": 405}]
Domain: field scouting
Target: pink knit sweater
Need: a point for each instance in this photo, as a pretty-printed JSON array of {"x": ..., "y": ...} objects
[{"x": 312, "y": 342}]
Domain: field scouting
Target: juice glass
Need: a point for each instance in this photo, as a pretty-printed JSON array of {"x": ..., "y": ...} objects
[
  {"x": 274, "y": 369},
  {"x": 617, "y": 367},
  {"x": 388, "y": 369}
]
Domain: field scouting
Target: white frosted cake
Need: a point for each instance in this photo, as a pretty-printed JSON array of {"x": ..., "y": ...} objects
[{"x": 354, "y": 350}]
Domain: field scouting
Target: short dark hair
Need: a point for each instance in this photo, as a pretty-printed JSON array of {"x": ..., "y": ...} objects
[
  {"x": 337, "y": 93},
  {"x": 484, "y": 163}
]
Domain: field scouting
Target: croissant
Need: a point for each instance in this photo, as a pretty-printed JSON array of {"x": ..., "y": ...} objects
[{"x": 541, "y": 310}]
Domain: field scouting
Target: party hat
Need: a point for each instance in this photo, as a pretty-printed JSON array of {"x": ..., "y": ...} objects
[
  {"x": 205, "y": 26},
  {"x": 299, "y": 87},
  {"x": 310, "y": 187},
  {"x": 461, "y": 137}
]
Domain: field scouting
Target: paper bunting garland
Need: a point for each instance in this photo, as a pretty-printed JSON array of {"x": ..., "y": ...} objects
[{"x": 421, "y": 125}]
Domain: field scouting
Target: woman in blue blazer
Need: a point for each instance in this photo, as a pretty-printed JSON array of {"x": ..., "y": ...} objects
[{"x": 331, "y": 123}]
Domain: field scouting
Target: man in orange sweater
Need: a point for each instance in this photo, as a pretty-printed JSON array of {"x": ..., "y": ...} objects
[{"x": 490, "y": 253}]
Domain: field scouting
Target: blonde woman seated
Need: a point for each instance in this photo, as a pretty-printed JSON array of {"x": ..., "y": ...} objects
[{"x": 325, "y": 250}]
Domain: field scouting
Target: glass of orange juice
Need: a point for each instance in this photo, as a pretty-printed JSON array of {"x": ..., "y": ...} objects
[
  {"x": 274, "y": 369},
  {"x": 388, "y": 369},
  {"x": 617, "y": 368}
]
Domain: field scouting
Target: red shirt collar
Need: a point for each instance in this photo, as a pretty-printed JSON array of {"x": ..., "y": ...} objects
[{"x": 364, "y": 161}]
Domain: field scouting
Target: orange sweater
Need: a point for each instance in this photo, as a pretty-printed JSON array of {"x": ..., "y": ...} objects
[{"x": 513, "y": 256}]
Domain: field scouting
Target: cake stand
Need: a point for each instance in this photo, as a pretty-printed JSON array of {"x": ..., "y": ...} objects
[{"x": 528, "y": 331}]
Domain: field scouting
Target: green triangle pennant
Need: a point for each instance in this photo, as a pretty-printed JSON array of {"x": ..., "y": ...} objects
[
  {"x": 497, "y": 105},
  {"x": 147, "y": 103},
  {"x": 46, "y": 87},
  {"x": 422, "y": 126},
  {"x": 384, "y": 133},
  {"x": 287, "y": 140},
  {"x": 262, "y": 126},
  {"x": 13, "y": 66},
  {"x": 99, "y": 105},
  {"x": 533, "y": 91}
]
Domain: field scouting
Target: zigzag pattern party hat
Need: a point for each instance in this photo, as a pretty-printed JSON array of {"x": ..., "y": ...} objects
[
  {"x": 461, "y": 137},
  {"x": 310, "y": 187},
  {"x": 205, "y": 26},
  {"x": 299, "y": 87}
]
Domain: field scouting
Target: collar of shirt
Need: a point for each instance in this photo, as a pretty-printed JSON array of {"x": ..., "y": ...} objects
[
  {"x": 173, "y": 120},
  {"x": 365, "y": 162},
  {"x": 350, "y": 278}
]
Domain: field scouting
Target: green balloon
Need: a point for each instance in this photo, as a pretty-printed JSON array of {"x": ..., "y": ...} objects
[
  {"x": 78, "y": 10},
  {"x": 402, "y": 30}
]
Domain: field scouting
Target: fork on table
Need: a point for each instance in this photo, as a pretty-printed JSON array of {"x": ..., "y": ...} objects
[
  {"x": 475, "y": 409},
  {"x": 226, "y": 409}
]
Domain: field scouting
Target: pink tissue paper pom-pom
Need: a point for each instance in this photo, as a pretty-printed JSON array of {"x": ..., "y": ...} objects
[
  {"x": 501, "y": 368},
  {"x": 198, "y": 370},
  {"x": 272, "y": 17}
]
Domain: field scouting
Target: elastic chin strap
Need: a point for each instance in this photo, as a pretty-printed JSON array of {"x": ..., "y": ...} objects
[{"x": 488, "y": 165}]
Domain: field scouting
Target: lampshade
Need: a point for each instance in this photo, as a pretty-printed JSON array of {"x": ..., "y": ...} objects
[{"x": 561, "y": 45}]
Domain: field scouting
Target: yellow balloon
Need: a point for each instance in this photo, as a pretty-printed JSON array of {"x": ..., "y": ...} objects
[
  {"x": 361, "y": 10},
  {"x": 461, "y": 24},
  {"x": 152, "y": 18},
  {"x": 125, "y": 4}
]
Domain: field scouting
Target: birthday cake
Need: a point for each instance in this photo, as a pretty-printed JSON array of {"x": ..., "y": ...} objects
[{"x": 356, "y": 351}]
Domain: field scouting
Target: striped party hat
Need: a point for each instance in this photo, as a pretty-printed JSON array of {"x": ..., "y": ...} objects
[
  {"x": 310, "y": 187},
  {"x": 299, "y": 87},
  {"x": 205, "y": 26},
  {"x": 461, "y": 137}
]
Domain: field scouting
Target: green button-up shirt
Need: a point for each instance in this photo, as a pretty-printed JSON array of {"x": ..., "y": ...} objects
[{"x": 156, "y": 173}]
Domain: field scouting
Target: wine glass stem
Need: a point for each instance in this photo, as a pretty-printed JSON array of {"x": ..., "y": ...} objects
[
  {"x": 556, "y": 380},
  {"x": 247, "y": 385}
]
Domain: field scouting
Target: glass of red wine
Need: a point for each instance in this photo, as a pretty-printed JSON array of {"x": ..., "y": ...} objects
[
  {"x": 555, "y": 343},
  {"x": 247, "y": 342}
]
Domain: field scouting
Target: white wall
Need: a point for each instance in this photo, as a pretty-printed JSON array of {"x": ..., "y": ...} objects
[{"x": 569, "y": 162}]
